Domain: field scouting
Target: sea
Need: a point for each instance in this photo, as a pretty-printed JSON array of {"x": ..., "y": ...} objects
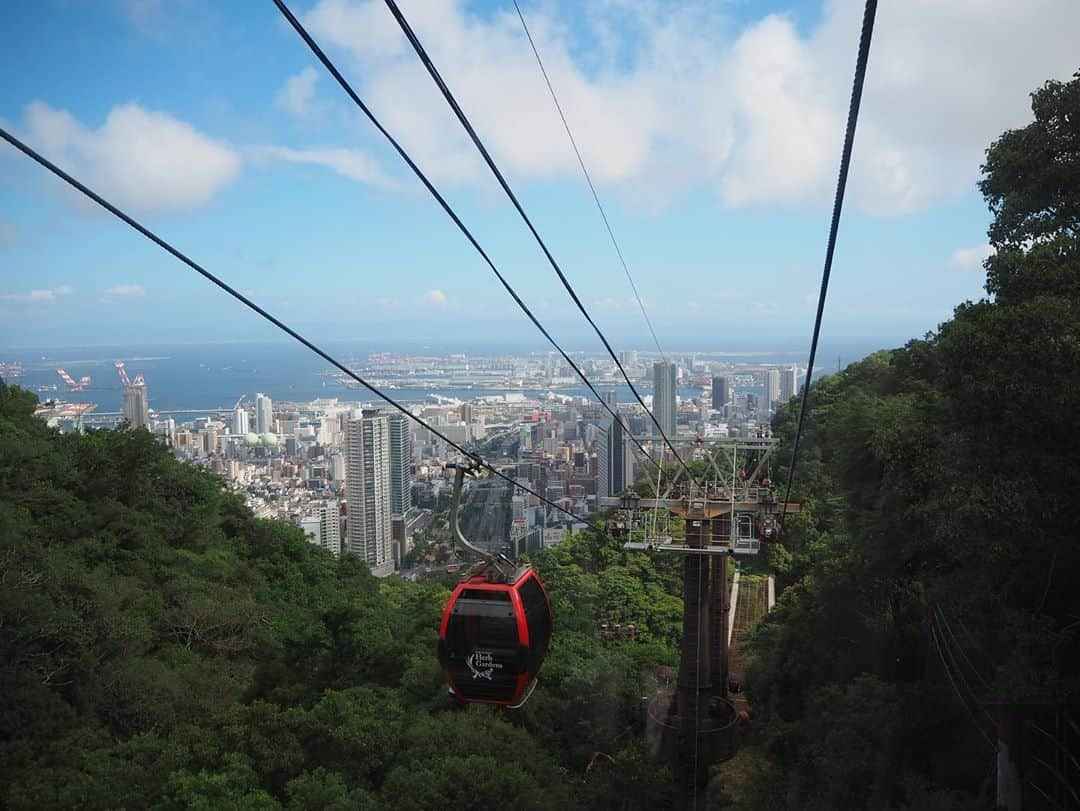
[{"x": 192, "y": 379}]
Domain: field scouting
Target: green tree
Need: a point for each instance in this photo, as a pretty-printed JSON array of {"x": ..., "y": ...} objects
[{"x": 938, "y": 477}]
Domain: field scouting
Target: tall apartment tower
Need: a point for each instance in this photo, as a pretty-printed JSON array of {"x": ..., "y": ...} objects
[
  {"x": 337, "y": 467},
  {"x": 664, "y": 405},
  {"x": 615, "y": 462},
  {"x": 789, "y": 379},
  {"x": 330, "y": 526},
  {"x": 264, "y": 414},
  {"x": 137, "y": 406},
  {"x": 367, "y": 491},
  {"x": 400, "y": 465},
  {"x": 322, "y": 526},
  {"x": 772, "y": 389},
  {"x": 720, "y": 392},
  {"x": 240, "y": 421}
]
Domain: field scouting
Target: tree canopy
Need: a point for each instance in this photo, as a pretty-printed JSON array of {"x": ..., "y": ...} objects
[
  {"x": 161, "y": 647},
  {"x": 939, "y": 490}
]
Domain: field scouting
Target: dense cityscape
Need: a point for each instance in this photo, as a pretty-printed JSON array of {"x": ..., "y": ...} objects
[{"x": 363, "y": 477}]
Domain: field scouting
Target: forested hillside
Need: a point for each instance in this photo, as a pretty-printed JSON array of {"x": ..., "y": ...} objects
[
  {"x": 941, "y": 500},
  {"x": 160, "y": 647}
]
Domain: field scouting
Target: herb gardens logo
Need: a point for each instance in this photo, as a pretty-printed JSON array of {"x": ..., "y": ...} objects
[{"x": 482, "y": 664}]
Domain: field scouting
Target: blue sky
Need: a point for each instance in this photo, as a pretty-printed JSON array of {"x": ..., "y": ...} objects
[{"x": 713, "y": 131}]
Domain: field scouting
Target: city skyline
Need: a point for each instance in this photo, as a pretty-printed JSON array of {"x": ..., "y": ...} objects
[
  {"x": 364, "y": 478},
  {"x": 214, "y": 376},
  {"x": 288, "y": 194}
]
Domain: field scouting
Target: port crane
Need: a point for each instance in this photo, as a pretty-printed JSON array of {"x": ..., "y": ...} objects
[
  {"x": 73, "y": 384},
  {"x": 125, "y": 381}
]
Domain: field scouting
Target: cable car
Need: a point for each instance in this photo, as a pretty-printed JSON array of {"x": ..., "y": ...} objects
[
  {"x": 494, "y": 636},
  {"x": 496, "y": 627}
]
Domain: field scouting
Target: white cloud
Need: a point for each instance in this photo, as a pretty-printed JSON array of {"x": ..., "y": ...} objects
[
  {"x": 38, "y": 296},
  {"x": 31, "y": 295},
  {"x": 141, "y": 160},
  {"x": 684, "y": 100},
  {"x": 970, "y": 258},
  {"x": 298, "y": 93},
  {"x": 946, "y": 77},
  {"x": 350, "y": 163},
  {"x": 434, "y": 297},
  {"x": 368, "y": 25},
  {"x": 126, "y": 290},
  {"x": 788, "y": 127},
  {"x": 623, "y": 119}
]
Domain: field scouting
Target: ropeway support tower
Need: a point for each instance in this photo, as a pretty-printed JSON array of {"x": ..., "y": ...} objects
[{"x": 696, "y": 725}]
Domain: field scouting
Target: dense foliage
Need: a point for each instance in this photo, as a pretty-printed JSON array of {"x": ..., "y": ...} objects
[
  {"x": 940, "y": 488},
  {"x": 160, "y": 647}
]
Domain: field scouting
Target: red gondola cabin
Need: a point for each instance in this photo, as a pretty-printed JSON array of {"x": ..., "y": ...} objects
[{"x": 493, "y": 638}]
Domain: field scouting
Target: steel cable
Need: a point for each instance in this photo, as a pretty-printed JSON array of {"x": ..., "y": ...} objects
[{"x": 838, "y": 204}]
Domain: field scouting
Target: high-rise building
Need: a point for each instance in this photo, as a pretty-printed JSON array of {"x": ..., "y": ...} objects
[
  {"x": 240, "y": 421},
  {"x": 337, "y": 466},
  {"x": 209, "y": 439},
  {"x": 664, "y": 406},
  {"x": 137, "y": 406},
  {"x": 720, "y": 392},
  {"x": 323, "y": 527},
  {"x": 604, "y": 474},
  {"x": 615, "y": 460},
  {"x": 367, "y": 491},
  {"x": 166, "y": 429},
  {"x": 789, "y": 380},
  {"x": 772, "y": 389},
  {"x": 400, "y": 465},
  {"x": 264, "y": 414}
]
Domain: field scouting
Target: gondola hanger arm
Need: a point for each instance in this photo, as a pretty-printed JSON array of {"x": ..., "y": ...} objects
[{"x": 470, "y": 467}]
